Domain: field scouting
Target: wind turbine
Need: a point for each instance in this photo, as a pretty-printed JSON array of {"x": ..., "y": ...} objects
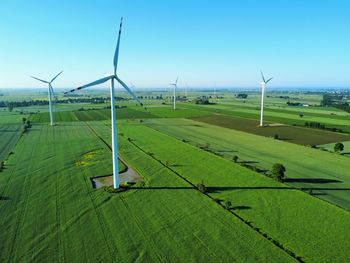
[
  {"x": 263, "y": 90},
  {"x": 175, "y": 87},
  {"x": 50, "y": 93},
  {"x": 113, "y": 77}
]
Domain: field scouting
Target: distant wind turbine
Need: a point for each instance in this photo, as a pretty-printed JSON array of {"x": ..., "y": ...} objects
[
  {"x": 263, "y": 90},
  {"x": 175, "y": 87},
  {"x": 113, "y": 77},
  {"x": 50, "y": 94}
]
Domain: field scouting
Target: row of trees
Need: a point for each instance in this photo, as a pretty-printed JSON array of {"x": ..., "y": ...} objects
[
  {"x": 335, "y": 100},
  {"x": 318, "y": 125},
  {"x": 16, "y": 104}
]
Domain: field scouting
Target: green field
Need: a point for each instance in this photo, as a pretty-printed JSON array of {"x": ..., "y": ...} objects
[
  {"x": 50, "y": 211},
  {"x": 289, "y": 216},
  {"x": 90, "y": 115},
  {"x": 293, "y": 134},
  {"x": 9, "y": 135},
  {"x": 306, "y": 167}
]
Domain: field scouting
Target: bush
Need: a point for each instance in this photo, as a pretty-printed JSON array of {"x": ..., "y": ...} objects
[
  {"x": 228, "y": 205},
  {"x": 235, "y": 158},
  {"x": 276, "y": 137},
  {"x": 201, "y": 187},
  {"x": 2, "y": 166},
  {"x": 338, "y": 147},
  {"x": 278, "y": 171}
]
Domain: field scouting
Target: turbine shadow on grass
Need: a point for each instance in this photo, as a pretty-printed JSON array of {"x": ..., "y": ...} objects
[
  {"x": 216, "y": 189},
  {"x": 4, "y": 198},
  {"x": 226, "y": 151},
  {"x": 241, "y": 207},
  {"x": 248, "y": 162},
  {"x": 177, "y": 165},
  {"x": 312, "y": 180}
]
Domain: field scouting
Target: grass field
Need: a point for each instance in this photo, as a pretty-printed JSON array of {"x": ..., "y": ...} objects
[
  {"x": 289, "y": 216},
  {"x": 330, "y": 147},
  {"x": 11, "y": 117},
  {"x": 50, "y": 211},
  {"x": 293, "y": 134},
  {"x": 324, "y": 172},
  {"x": 9, "y": 135},
  {"x": 90, "y": 115}
]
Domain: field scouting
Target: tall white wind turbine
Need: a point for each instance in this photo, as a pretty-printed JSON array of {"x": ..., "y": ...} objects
[
  {"x": 50, "y": 94},
  {"x": 263, "y": 90},
  {"x": 175, "y": 87},
  {"x": 113, "y": 77}
]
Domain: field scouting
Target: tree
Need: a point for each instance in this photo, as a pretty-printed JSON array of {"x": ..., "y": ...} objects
[
  {"x": 235, "y": 158},
  {"x": 24, "y": 120},
  {"x": 228, "y": 205},
  {"x": 28, "y": 124},
  {"x": 278, "y": 171},
  {"x": 275, "y": 136},
  {"x": 10, "y": 107},
  {"x": 201, "y": 187},
  {"x": 338, "y": 147},
  {"x": 301, "y": 115}
]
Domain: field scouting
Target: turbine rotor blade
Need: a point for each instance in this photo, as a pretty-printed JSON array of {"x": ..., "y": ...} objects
[
  {"x": 176, "y": 80},
  {"x": 116, "y": 53},
  {"x": 56, "y": 76},
  {"x": 268, "y": 80},
  {"x": 128, "y": 90},
  {"x": 39, "y": 79},
  {"x": 262, "y": 75},
  {"x": 94, "y": 83}
]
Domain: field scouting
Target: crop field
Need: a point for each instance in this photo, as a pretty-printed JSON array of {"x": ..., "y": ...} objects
[
  {"x": 11, "y": 117},
  {"x": 49, "y": 209},
  {"x": 269, "y": 205},
  {"x": 326, "y": 173},
  {"x": 90, "y": 115},
  {"x": 10, "y": 134},
  {"x": 277, "y": 116},
  {"x": 298, "y": 135},
  {"x": 330, "y": 147}
]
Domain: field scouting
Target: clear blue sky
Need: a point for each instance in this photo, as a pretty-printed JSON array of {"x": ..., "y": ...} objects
[{"x": 301, "y": 43}]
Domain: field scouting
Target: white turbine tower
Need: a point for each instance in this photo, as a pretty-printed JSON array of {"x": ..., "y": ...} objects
[
  {"x": 263, "y": 90},
  {"x": 113, "y": 77},
  {"x": 175, "y": 87},
  {"x": 50, "y": 94}
]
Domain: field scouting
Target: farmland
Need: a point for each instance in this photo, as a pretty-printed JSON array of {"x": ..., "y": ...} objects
[
  {"x": 77, "y": 218},
  {"x": 50, "y": 209},
  {"x": 293, "y": 134},
  {"x": 311, "y": 168},
  {"x": 10, "y": 134}
]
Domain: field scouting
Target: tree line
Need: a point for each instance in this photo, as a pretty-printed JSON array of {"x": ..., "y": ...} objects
[{"x": 335, "y": 100}]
